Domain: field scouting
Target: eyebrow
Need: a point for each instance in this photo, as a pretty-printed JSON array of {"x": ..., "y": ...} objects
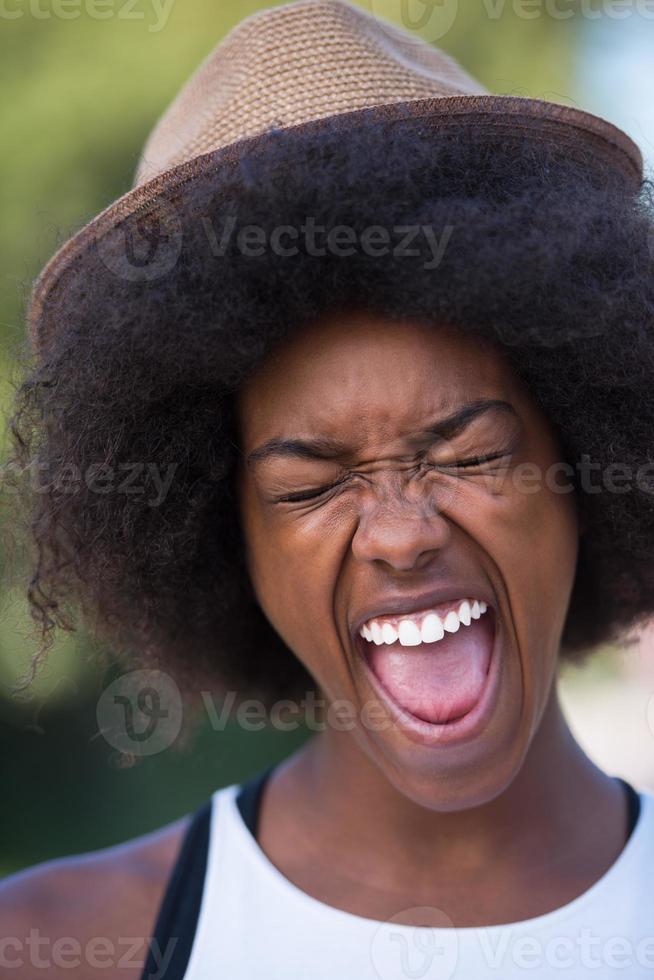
[{"x": 323, "y": 448}]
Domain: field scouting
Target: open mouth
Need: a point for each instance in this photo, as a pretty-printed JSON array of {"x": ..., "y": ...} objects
[{"x": 433, "y": 664}]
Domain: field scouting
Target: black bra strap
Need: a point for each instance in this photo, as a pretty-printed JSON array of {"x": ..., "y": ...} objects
[
  {"x": 249, "y": 799},
  {"x": 633, "y": 803},
  {"x": 177, "y": 920},
  {"x": 178, "y": 914}
]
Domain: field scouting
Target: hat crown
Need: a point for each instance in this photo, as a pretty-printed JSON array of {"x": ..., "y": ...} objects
[{"x": 288, "y": 65}]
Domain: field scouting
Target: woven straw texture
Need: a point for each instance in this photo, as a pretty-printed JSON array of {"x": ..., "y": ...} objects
[{"x": 289, "y": 64}]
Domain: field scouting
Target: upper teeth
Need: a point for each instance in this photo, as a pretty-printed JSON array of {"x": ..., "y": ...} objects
[{"x": 424, "y": 627}]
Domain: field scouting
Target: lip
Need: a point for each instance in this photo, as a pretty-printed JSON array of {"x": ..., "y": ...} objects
[
  {"x": 461, "y": 730},
  {"x": 405, "y": 604}
]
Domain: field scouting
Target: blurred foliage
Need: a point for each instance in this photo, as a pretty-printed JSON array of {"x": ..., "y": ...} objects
[{"x": 81, "y": 94}]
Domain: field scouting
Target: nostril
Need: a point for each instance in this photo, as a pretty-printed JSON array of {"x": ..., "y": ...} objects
[
  {"x": 405, "y": 537},
  {"x": 399, "y": 551}
]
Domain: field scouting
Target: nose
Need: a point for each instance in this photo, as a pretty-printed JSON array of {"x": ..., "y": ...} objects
[{"x": 401, "y": 532}]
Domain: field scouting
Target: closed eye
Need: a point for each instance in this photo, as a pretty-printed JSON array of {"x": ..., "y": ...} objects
[
  {"x": 320, "y": 491},
  {"x": 309, "y": 495},
  {"x": 474, "y": 461}
]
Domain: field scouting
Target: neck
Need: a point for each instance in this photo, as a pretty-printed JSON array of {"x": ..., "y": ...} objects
[{"x": 559, "y": 806}]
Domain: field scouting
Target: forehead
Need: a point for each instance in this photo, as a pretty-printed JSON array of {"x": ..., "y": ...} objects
[{"x": 380, "y": 376}]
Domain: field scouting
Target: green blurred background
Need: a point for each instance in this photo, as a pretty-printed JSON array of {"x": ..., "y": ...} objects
[{"x": 83, "y": 84}]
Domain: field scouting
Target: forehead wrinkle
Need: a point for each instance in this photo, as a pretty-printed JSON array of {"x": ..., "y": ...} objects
[
  {"x": 444, "y": 425},
  {"x": 368, "y": 385},
  {"x": 341, "y": 440}
]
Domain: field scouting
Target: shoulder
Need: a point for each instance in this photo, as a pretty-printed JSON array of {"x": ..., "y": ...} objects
[{"x": 91, "y": 912}]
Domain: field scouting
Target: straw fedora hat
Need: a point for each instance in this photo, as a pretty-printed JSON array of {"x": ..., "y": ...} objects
[{"x": 294, "y": 65}]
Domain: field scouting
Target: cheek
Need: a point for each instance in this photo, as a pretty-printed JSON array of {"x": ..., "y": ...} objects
[
  {"x": 294, "y": 564},
  {"x": 535, "y": 547}
]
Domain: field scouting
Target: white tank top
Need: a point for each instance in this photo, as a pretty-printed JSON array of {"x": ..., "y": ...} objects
[{"x": 254, "y": 923}]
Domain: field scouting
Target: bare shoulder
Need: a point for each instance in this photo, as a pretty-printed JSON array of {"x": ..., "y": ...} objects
[{"x": 90, "y": 913}]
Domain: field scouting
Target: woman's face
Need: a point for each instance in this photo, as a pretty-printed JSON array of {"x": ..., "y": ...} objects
[{"x": 354, "y": 511}]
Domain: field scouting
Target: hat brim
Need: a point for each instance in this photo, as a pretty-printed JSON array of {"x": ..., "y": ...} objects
[{"x": 581, "y": 134}]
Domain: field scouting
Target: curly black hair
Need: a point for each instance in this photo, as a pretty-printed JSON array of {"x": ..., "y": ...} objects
[{"x": 549, "y": 256}]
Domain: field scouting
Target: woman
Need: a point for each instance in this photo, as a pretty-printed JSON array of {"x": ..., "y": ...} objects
[{"x": 395, "y": 453}]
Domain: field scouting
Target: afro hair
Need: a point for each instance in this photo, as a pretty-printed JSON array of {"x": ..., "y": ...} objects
[{"x": 549, "y": 256}]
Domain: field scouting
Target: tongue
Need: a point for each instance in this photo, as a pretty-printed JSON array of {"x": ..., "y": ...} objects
[{"x": 439, "y": 681}]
